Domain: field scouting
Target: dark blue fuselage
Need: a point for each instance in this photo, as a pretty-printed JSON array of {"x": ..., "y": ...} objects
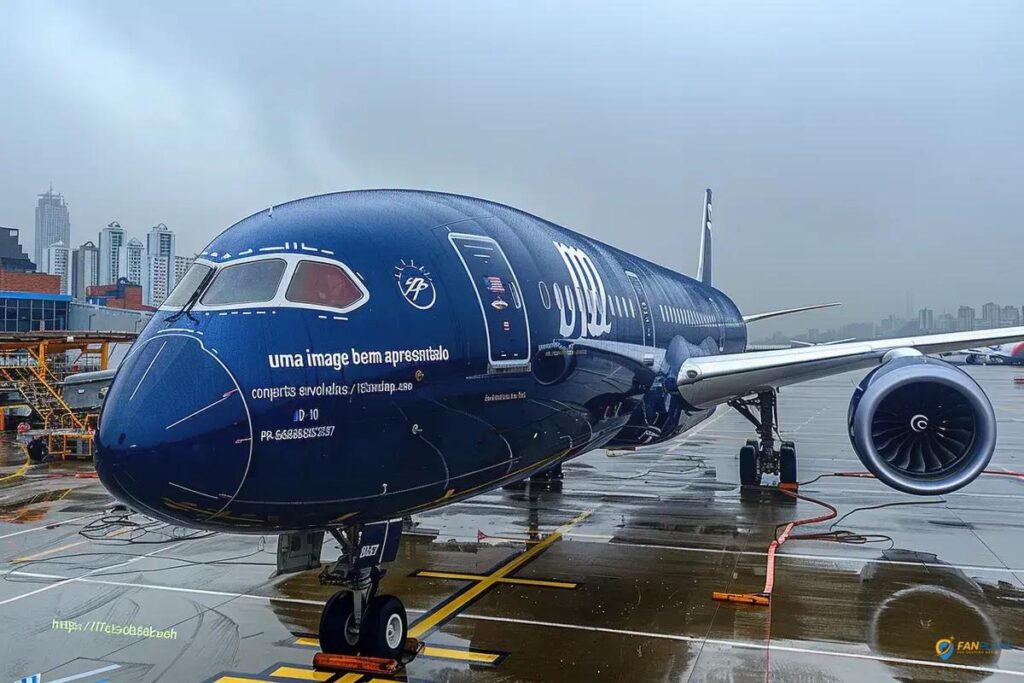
[{"x": 437, "y": 347}]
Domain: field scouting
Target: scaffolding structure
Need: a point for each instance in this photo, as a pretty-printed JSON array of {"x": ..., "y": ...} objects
[{"x": 37, "y": 363}]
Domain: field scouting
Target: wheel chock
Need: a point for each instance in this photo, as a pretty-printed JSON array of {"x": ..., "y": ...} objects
[
  {"x": 368, "y": 665},
  {"x": 355, "y": 664},
  {"x": 789, "y": 486},
  {"x": 759, "y": 599}
]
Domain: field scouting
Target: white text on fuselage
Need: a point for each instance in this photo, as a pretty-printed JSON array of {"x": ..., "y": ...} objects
[
  {"x": 583, "y": 303},
  {"x": 338, "y": 360}
]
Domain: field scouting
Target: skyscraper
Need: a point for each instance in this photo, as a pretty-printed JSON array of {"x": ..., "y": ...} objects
[
  {"x": 965, "y": 318},
  {"x": 53, "y": 223},
  {"x": 58, "y": 261},
  {"x": 990, "y": 315},
  {"x": 1009, "y": 316},
  {"x": 154, "y": 286},
  {"x": 160, "y": 264},
  {"x": 85, "y": 269},
  {"x": 112, "y": 238},
  {"x": 133, "y": 261},
  {"x": 926, "y": 319}
]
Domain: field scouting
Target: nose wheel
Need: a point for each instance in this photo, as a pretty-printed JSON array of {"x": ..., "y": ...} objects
[
  {"x": 759, "y": 456},
  {"x": 358, "y": 620}
]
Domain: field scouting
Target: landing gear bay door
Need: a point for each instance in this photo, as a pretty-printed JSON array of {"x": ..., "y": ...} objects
[{"x": 501, "y": 301}]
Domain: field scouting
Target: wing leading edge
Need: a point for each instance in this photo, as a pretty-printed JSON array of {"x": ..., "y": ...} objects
[{"x": 710, "y": 380}]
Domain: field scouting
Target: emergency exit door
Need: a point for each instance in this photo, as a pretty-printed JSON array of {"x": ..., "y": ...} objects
[{"x": 501, "y": 300}]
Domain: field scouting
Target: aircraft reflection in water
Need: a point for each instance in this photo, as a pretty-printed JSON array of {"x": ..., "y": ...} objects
[{"x": 344, "y": 360}]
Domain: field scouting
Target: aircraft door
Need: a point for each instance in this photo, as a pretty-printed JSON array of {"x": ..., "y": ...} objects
[
  {"x": 502, "y": 305},
  {"x": 646, "y": 315}
]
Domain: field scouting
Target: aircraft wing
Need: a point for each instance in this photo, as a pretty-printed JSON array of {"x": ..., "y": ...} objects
[{"x": 710, "y": 380}]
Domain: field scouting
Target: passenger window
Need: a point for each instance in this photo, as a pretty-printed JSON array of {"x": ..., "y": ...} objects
[
  {"x": 245, "y": 283},
  {"x": 545, "y": 298},
  {"x": 188, "y": 285},
  {"x": 322, "y": 284}
]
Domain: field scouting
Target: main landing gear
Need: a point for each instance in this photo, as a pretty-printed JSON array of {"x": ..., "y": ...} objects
[
  {"x": 358, "y": 620},
  {"x": 758, "y": 456}
]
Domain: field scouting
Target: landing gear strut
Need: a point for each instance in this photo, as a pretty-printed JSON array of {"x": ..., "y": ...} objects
[
  {"x": 758, "y": 456},
  {"x": 358, "y": 619}
]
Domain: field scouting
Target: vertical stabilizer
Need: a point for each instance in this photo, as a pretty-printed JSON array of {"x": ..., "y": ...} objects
[{"x": 704, "y": 265}]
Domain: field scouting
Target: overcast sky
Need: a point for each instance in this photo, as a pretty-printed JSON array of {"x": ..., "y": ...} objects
[{"x": 868, "y": 153}]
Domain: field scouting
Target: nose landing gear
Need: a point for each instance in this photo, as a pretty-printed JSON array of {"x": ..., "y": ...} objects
[
  {"x": 358, "y": 620},
  {"x": 759, "y": 457}
]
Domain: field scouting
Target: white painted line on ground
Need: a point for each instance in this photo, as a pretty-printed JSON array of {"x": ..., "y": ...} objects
[
  {"x": 794, "y": 556},
  {"x": 573, "y": 627},
  {"x": 86, "y": 674},
  {"x": 739, "y": 644},
  {"x": 51, "y": 525},
  {"x": 88, "y": 573}
]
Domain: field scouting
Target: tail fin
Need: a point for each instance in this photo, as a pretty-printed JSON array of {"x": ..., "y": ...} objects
[{"x": 704, "y": 265}]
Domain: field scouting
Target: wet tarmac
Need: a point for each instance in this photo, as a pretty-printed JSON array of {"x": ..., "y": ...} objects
[{"x": 609, "y": 578}]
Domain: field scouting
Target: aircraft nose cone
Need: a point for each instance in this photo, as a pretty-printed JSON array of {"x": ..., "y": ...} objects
[{"x": 174, "y": 437}]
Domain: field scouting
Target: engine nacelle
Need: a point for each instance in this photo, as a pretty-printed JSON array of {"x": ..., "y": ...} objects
[{"x": 921, "y": 425}]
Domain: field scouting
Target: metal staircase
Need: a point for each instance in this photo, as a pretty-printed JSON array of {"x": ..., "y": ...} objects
[{"x": 40, "y": 385}]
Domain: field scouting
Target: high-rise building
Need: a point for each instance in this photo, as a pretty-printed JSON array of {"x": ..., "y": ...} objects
[
  {"x": 133, "y": 261},
  {"x": 1009, "y": 316},
  {"x": 57, "y": 262},
  {"x": 926, "y": 319},
  {"x": 12, "y": 257},
  {"x": 159, "y": 245},
  {"x": 155, "y": 280},
  {"x": 965, "y": 318},
  {"x": 53, "y": 222},
  {"x": 85, "y": 269},
  {"x": 112, "y": 239},
  {"x": 990, "y": 315},
  {"x": 160, "y": 241},
  {"x": 181, "y": 266}
]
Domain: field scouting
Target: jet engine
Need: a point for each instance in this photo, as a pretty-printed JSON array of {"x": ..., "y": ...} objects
[{"x": 921, "y": 425}]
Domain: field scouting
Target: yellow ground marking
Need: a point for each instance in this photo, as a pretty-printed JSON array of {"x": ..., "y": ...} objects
[
  {"x": 428, "y": 651},
  {"x": 51, "y": 551},
  {"x": 462, "y": 655},
  {"x": 446, "y": 610},
  {"x": 20, "y": 471},
  {"x": 312, "y": 675},
  {"x": 480, "y": 577}
]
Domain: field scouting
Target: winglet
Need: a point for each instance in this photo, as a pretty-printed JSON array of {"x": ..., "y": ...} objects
[
  {"x": 704, "y": 264},
  {"x": 787, "y": 311}
]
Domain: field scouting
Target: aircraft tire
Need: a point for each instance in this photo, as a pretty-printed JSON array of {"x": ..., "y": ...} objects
[
  {"x": 749, "y": 476},
  {"x": 335, "y": 636},
  {"x": 384, "y": 628},
  {"x": 787, "y": 463}
]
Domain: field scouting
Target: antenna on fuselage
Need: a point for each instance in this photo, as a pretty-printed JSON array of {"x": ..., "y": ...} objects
[{"x": 704, "y": 264}]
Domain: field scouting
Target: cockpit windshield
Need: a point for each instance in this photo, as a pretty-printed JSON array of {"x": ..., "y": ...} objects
[
  {"x": 245, "y": 283},
  {"x": 187, "y": 286},
  {"x": 323, "y": 284}
]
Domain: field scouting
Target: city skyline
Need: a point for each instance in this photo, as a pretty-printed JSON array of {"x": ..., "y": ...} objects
[
  {"x": 965, "y": 318},
  {"x": 154, "y": 265}
]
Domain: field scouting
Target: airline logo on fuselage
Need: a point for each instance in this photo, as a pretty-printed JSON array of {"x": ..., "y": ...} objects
[
  {"x": 583, "y": 303},
  {"x": 416, "y": 285}
]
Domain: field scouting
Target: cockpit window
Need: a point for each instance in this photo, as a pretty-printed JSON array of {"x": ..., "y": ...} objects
[
  {"x": 245, "y": 283},
  {"x": 188, "y": 285},
  {"x": 322, "y": 284}
]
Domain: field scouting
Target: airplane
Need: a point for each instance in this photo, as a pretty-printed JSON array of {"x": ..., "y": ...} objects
[
  {"x": 998, "y": 354},
  {"x": 342, "y": 361}
]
